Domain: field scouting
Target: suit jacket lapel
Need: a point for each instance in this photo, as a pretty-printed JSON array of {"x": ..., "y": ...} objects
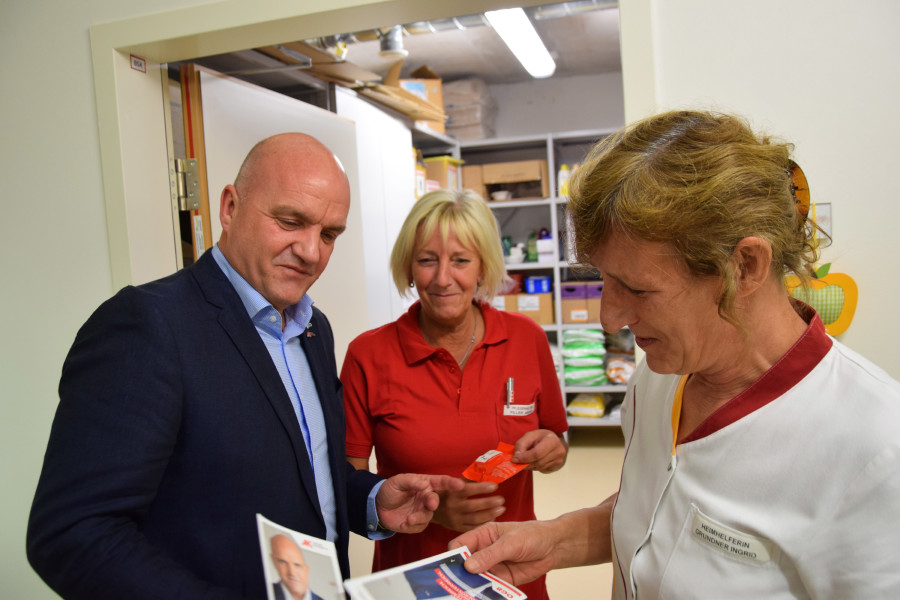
[
  {"x": 233, "y": 318},
  {"x": 318, "y": 345}
]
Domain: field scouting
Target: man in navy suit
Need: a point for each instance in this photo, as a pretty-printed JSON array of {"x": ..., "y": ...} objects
[{"x": 189, "y": 404}]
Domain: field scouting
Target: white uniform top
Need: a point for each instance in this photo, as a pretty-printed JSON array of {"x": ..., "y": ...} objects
[{"x": 791, "y": 490}]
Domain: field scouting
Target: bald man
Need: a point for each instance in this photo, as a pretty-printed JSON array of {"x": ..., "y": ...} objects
[
  {"x": 293, "y": 570},
  {"x": 192, "y": 403}
]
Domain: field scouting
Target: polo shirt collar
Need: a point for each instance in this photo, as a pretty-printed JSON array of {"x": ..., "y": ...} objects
[{"x": 413, "y": 343}]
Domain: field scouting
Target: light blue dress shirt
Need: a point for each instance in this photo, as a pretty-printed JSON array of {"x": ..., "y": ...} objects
[{"x": 296, "y": 376}]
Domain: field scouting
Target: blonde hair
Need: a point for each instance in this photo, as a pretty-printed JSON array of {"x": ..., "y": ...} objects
[
  {"x": 699, "y": 182},
  {"x": 473, "y": 223}
]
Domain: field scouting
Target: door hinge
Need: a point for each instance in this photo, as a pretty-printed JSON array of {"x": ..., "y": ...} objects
[{"x": 187, "y": 184}]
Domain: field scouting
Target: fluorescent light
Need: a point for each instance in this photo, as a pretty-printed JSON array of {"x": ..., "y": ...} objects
[{"x": 516, "y": 30}]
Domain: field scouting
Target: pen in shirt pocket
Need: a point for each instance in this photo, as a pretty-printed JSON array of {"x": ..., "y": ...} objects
[{"x": 510, "y": 391}]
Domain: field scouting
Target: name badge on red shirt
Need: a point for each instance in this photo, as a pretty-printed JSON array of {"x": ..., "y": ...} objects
[{"x": 518, "y": 410}]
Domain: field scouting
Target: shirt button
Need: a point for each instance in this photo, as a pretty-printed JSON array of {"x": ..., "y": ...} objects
[
  {"x": 272, "y": 319},
  {"x": 371, "y": 528}
]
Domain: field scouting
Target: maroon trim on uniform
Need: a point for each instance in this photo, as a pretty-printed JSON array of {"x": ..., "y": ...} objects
[{"x": 787, "y": 372}]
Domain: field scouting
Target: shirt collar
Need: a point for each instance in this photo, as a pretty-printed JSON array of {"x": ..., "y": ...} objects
[
  {"x": 413, "y": 343},
  {"x": 254, "y": 302},
  {"x": 807, "y": 352}
]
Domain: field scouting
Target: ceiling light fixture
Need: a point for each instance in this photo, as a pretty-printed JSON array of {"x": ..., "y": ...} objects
[{"x": 516, "y": 30}]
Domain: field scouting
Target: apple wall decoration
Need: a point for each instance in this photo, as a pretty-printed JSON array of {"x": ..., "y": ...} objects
[{"x": 833, "y": 295}]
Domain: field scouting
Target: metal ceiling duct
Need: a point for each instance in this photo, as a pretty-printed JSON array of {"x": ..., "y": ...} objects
[{"x": 337, "y": 44}]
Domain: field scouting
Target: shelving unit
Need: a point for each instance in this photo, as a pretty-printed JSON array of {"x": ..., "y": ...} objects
[{"x": 519, "y": 217}]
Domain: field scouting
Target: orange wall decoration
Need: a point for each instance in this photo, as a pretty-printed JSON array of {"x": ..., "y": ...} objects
[{"x": 833, "y": 295}]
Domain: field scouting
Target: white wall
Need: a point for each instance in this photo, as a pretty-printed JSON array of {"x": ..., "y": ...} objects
[
  {"x": 54, "y": 252},
  {"x": 559, "y": 104}
]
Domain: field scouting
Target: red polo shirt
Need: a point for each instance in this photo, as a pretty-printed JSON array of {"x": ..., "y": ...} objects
[{"x": 425, "y": 415}]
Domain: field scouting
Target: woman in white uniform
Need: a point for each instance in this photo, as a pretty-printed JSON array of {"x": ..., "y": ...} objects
[{"x": 762, "y": 456}]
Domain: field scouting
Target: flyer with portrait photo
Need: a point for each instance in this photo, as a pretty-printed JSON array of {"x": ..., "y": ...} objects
[
  {"x": 298, "y": 566},
  {"x": 440, "y": 577}
]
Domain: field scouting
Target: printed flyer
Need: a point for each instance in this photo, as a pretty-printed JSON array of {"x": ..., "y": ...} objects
[
  {"x": 439, "y": 577},
  {"x": 298, "y": 566}
]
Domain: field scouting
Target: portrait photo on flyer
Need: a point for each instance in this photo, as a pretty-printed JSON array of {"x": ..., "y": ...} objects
[
  {"x": 298, "y": 566},
  {"x": 439, "y": 576}
]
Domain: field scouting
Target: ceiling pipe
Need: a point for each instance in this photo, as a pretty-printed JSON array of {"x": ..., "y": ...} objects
[{"x": 337, "y": 44}]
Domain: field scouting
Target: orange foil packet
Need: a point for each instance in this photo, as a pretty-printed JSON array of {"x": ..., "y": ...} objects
[{"x": 494, "y": 465}]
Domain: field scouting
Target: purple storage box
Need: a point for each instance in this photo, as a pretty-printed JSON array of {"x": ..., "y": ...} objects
[
  {"x": 594, "y": 289},
  {"x": 537, "y": 285},
  {"x": 573, "y": 296},
  {"x": 573, "y": 290}
]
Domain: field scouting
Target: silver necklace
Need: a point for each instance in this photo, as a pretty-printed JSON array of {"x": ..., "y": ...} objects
[{"x": 472, "y": 342}]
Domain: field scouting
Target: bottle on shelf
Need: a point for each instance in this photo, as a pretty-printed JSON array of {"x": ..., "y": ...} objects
[
  {"x": 531, "y": 254},
  {"x": 562, "y": 180}
]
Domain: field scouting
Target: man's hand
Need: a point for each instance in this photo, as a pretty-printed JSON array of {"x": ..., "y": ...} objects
[
  {"x": 515, "y": 552},
  {"x": 460, "y": 510},
  {"x": 543, "y": 450},
  {"x": 406, "y": 502}
]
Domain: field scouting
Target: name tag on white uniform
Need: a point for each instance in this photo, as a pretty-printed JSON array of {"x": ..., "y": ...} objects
[
  {"x": 518, "y": 410},
  {"x": 730, "y": 542}
]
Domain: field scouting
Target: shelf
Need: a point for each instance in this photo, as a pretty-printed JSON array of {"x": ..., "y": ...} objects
[
  {"x": 505, "y": 143},
  {"x": 501, "y": 204},
  {"x": 518, "y": 218},
  {"x": 528, "y": 266},
  {"x": 581, "y": 326},
  {"x": 612, "y": 420},
  {"x": 584, "y": 135},
  {"x": 429, "y": 141},
  {"x": 611, "y": 388}
]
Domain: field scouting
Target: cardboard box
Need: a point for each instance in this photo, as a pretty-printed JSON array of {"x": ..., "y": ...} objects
[
  {"x": 444, "y": 170},
  {"x": 471, "y": 132},
  {"x": 537, "y": 306},
  {"x": 500, "y": 302},
  {"x": 525, "y": 178},
  {"x": 573, "y": 302},
  {"x": 594, "y": 292},
  {"x": 428, "y": 89},
  {"x": 392, "y": 94},
  {"x": 472, "y": 180}
]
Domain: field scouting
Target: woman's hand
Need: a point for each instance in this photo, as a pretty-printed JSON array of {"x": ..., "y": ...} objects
[
  {"x": 522, "y": 552},
  {"x": 467, "y": 508},
  {"x": 542, "y": 450},
  {"x": 515, "y": 552}
]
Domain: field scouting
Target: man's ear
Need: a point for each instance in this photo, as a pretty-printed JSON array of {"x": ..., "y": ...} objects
[
  {"x": 227, "y": 205},
  {"x": 753, "y": 259}
]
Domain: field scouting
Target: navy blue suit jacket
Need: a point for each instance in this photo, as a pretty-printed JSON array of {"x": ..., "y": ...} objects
[{"x": 173, "y": 430}]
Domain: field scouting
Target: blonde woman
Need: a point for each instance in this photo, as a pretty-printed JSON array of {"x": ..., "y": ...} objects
[{"x": 430, "y": 389}]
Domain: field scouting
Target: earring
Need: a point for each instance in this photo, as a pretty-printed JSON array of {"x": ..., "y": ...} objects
[{"x": 411, "y": 284}]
